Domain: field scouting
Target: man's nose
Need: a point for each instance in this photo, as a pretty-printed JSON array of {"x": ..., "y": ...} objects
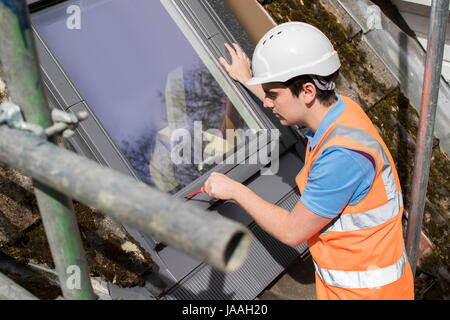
[{"x": 268, "y": 103}]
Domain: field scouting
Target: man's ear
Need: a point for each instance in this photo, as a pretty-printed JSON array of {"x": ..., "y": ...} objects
[{"x": 309, "y": 92}]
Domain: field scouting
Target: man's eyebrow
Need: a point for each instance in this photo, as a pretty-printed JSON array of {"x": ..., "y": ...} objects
[{"x": 270, "y": 91}]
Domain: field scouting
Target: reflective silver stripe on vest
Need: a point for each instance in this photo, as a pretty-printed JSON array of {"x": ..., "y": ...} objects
[
  {"x": 368, "y": 219},
  {"x": 377, "y": 216},
  {"x": 367, "y": 140},
  {"x": 373, "y": 278}
]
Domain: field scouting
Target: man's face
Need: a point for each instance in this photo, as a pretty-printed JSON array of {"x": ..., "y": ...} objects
[{"x": 288, "y": 108}]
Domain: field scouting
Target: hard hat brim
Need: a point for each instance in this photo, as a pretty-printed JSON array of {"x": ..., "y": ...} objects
[
  {"x": 324, "y": 67},
  {"x": 254, "y": 81}
]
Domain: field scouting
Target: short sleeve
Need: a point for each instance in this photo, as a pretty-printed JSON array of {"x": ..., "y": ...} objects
[{"x": 338, "y": 177}]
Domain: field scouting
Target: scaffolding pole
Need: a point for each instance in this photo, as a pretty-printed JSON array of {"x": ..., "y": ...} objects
[
  {"x": 433, "y": 68},
  {"x": 22, "y": 75},
  {"x": 202, "y": 234}
]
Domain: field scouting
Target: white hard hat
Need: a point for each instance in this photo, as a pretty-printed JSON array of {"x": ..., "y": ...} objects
[{"x": 290, "y": 50}]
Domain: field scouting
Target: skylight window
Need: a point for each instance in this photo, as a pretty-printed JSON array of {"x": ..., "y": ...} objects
[{"x": 146, "y": 84}]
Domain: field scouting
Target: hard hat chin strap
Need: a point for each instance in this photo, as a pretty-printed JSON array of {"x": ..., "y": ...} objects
[{"x": 322, "y": 84}]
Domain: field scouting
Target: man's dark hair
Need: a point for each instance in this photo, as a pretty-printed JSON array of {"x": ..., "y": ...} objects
[{"x": 326, "y": 97}]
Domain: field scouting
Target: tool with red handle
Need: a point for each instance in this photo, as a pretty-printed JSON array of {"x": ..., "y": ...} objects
[{"x": 202, "y": 190}]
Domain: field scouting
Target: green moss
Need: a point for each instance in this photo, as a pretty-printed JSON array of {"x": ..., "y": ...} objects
[
  {"x": 105, "y": 257},
  {"x": 396, "y": 105},
  {"x": 117, "y": 266},
  {"x": 85, "y": 217},
  {"x": 32, "y": 245},
  {"x": 431, "y": 264}
]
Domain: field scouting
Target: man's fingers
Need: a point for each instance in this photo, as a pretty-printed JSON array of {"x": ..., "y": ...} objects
[
  {"x": 231, "y": 51},
  {"x": 224, "y": 63},
  {"x": 206, "y": 186},
  {"x": 239, "y": 51},
  {"x": 208, "y": 190}
]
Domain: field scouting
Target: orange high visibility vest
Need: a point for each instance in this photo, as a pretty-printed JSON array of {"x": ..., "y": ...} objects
[{"x": 361, "y": 254}]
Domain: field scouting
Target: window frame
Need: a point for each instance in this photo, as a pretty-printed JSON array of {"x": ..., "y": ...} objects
[{"x": 181, "y": 12}]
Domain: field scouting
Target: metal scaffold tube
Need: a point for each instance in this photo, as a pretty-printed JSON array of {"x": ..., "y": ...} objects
[
  {"x": 21, "y": 73},
  {"x": 9, "y": 290},
  {"x": 205, "y": 235},
  {"x": 433, "y": 68}
]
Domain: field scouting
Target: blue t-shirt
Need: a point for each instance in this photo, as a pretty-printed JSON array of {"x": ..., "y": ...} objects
[{"x": 339, "y": 176}]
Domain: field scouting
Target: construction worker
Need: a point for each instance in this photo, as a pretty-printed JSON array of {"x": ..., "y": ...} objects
[{"x": 351, "y": 206}]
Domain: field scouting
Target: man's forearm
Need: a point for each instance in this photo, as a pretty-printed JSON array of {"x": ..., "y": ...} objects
[
  {"x": 257, "y": 90},
  {"x": 273, "y": 219},
  {"x": 291, "y": 228}
]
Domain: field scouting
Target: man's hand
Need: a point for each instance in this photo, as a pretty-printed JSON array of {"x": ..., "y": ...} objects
[
  {"x": 219, "y": 186},
  {"x": 239, "y": 69}
]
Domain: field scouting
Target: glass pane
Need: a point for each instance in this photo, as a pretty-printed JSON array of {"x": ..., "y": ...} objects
[{"x": 144, "y": 81}]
